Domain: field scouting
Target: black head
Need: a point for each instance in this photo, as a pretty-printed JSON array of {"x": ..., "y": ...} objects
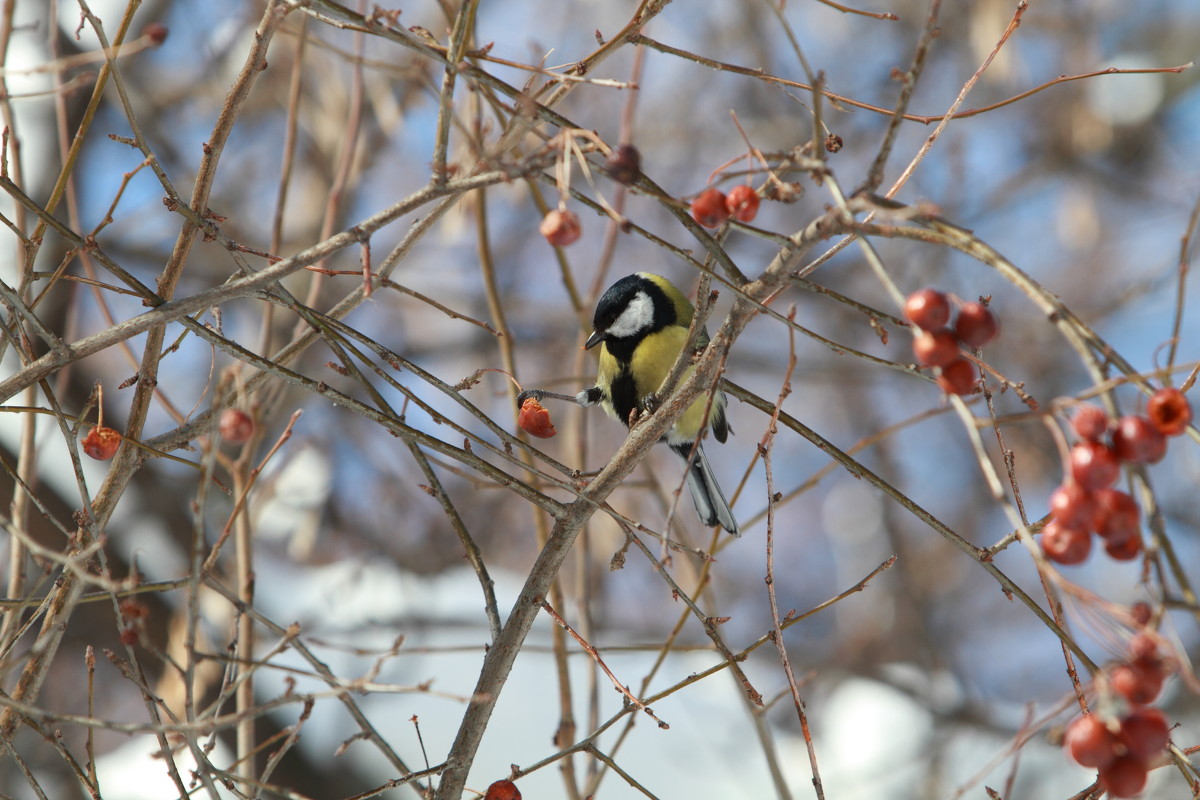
[{"x": 632, "y": 308}]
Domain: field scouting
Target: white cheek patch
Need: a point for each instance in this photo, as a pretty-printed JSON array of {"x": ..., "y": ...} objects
[{"x": 636, "y": 317}]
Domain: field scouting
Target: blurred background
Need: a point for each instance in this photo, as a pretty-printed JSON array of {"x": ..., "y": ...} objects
[{"x": 929, "y": 683}]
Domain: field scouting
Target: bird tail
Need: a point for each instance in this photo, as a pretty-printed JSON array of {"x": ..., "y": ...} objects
[{"x": 711, "y": 505}]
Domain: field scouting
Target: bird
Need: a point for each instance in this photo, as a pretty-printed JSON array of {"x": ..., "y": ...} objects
[{"x": 641, "y": 324}]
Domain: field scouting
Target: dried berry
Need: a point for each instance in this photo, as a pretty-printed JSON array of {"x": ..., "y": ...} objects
[
  {"x": 709, "y": 208},
  {"x": 535, "y": 420},
  {"x": 742, "y": 203},
  {"x": 1169, "y": 411},
  {"x": 101, "y": 443},
  {"x": 561, "y": 227},
  {"x": 624, "y": 164}
]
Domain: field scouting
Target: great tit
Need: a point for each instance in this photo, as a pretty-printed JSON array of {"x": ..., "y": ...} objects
[{"x": 641, "y": 324}]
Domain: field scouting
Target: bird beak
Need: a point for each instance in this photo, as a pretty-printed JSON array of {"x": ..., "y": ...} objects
[{"x": 596, "y": 338}]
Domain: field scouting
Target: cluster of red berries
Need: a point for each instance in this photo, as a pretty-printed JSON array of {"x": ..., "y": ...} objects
[
  {"x": 712, "y": 206},
  {"x": 939, "y": 345},
  {"x": 1086, "y": 502},
  {"x": 1123, "y": 749}
]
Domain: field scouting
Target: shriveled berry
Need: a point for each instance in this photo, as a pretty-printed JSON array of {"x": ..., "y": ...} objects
[
  {"x": 624, "y": 164},
  {"x": 1090, "y": 422},
  {"x": 1125, "y": 777},
  {"x": 535, "y": 419},
  {"x": 235, "y": 426},
  {"x": 936, "y": 348},
  {"x": 1136, "y": 439},
  {"x": 1139, "y": 683},
  {"x": 742, "y": 203},
  {"x": 1145, "y": 733},
  {"x": 1073, "y": 505},
  {"x": 1065, "y": 545},
  {"x": 502, "y": 790},
  {"x": 976, "y": 325},
  {"x": 1094, "y": 466},
  {"x": 101, "y": 443},
  {"x": 1090, "y": 742},
  {"x": 958, "y": 377},
  {"x": 928, "y": 309},
  {"x": 561, "y": 227},
  {"x": 709, "y": 208},
  {"x": 1169, "y": 411}
]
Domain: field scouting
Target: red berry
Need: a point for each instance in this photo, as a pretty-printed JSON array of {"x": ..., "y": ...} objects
[
  {"x": 101, "y": 443},
  {"x": 156, "y": 32},
  {"x": 1123, "y": 548},
  {"x": 1073, "y": 505},
  {"x": 742, "y": 203},
  {"x": 1064, "y": 545},
  {"x": 1090, "y": 742},
  {"x": 709, "y": 208},
  {"x": 1145, "y": 733},
  {"x": 1141, "y": 614},
  {"x": 624, "y": 164},
  {"x": 133, "y": 610},
  {"x": 1143, "y": 647},
  {"x": 1117, "y": 515},
  {"x": 1094, "y": 466},
  {"x": 1124, "y": 777},
  {"x": 928, "y": 309},
  {"x": 561, "y": 227},
  {"x": 1090, "y": 422},
  {"x": 1136, "y": 439},
  {"x": 502, "y": 790},
  {"x": 976, "y": 325},
  {"x": 936, "y": 348},
  {"x": 958, "y": 377},
  {"x": 1169, "y": 411},
  {"x": 1138, "y": 682},
  {"x": 235, "y": 426},
  {"x": 535, "y": 420}
]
